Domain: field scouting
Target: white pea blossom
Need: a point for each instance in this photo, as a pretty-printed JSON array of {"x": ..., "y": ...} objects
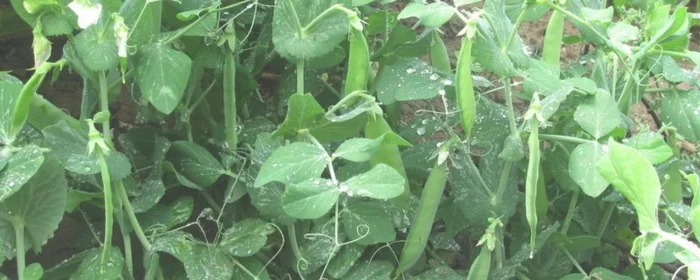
[
  {"x": 88, "y": 14},
  {"x": 121, "y": 33}
]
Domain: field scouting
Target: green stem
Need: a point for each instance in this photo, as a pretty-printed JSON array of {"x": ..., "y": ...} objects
[
  {"x": 570, "y": 211},
  {"x": 659, "y": 90},
  {"x": 132, "y": 217},
  {"x": 300, "y": 76},
  {"x": 128, "y": 256},
  {"x": 295, "y": 16},
  {"x": 573, "y": 260},
  {"x": 109, "y": 208},
  {"x": 104, "y": 106},
  {"x": 576, "y": 18},
  {"x": 211, "y": 201},
  {"x": 514, "y": 31},
  {"x": 502, "y": 182},
  {"x": 669, "y": 53},
  {"x": 323, "y": 15},
  {"x": 475, "y": 171},
  {"x": 19, "y": 246},
  {"x": 292, "y": 232},
  {"x": 609, "y": 208},
  {"x": 564, "y": 138},
  {"x": 185, "y": 29},
  {"x": 624, "y": 102},
  {"x": 509, "y": 105}
]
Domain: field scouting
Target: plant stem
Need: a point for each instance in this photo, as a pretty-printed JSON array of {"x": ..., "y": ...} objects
[
  {"x": 609, "y": 208},
  {"x": 211, "y": 201},
  {"x": 300, "y": 76},
  {"x": 132, "y": 217},
  {"x": 565, "y": 138},
  {"x": 185, "y": 29},
  {"x": 295, "y": 16},
  {"x": 624, "y": 102},
  {"x": 109, "y": 208},
  {"x": 509, "y": 105},
  {"x": 292, "y": 232},
  {"x": 514, "y": 31},
  {"x": 324, "y": 14},
  {"x": 104, "y": 106},
  {"x": 472, "y": 167},
  {"x": 573, "y": 260},
  {"x": 19, "y": 246},
  {"x": 502, "y": 182},
  {"x": 570, "y": 211}
]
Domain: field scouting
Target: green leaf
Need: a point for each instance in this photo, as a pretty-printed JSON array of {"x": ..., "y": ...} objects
[
  {"x": 207, "y": 263},
  {"x": 598, "y": 114},
  {"x": 251, "y": 265},
  {"x": 91, "y": 267},
  {"x": 494, "y": 30},
  {"x": 317, "y": 249},
  {"x": 652, "y": 145},
  {"x": 70, "y": 147},
  {"x": 631, "y": 173},
  {"x": 345, "y": 260},
  {"x": 357, "y": 149},
  {"x": 381, "y": 182},
  {"x": 582, "y": 168},
  {"x": 623, "y": 32},
  {"x": 196, "y": 163},
  {"x": 97, "y": 47},
  {"x": 604, "y": 273},
  {"x": 39, "y": 206},
  {"x": 600, "y": 16},
  {"x": 162, "y": 76},
  {"x": 375, "y": 270},
  {"x": 164, "y": 217},
  {"x": 303, "y": 113},
  {"x": 682, "y": 110},
  {"x": 405, "y": 79},
  {"x": 293, "y": 163},
  {"x": 33, "y": 272},
  {"x": 515, "y": 262},
  {"x": 310, "y": 199},
  {"x": 143, "y": 27},
  {"x": 430, "y": 15},
  {"x": 10, "y": 88},
  {"x": 440, "y": 273},
  {"x": 19, "y": 168},
  {"x": 245, "y": 238},
  {"x": 368, "y": 223},
  {"x": 317, "y": 40}
]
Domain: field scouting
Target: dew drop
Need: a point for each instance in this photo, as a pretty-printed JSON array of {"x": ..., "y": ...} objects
[
  {"x": 410, "y": 70},
  {"x": 433, "y": 77},
  {"x": 420, "y": 131}
]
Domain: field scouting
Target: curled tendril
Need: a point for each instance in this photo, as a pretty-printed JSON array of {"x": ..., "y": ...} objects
[
  {"x": 302, "y": 264},
  {"x": 276, "y": 253}
]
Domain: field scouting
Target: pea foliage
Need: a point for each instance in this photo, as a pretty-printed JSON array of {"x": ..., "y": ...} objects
[{"x": 354, "y": 139}]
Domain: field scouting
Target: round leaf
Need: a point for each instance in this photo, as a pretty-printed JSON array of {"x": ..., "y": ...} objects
[
  {"x": 368, "y": 222},
  {"x": 245, "y": 238},
  {"x": 162, "y": 76},
  {"x": 582, "y": 168},
  {"x": 310, "y": 199},
  {"x": 20, "y": 167},
  {"x": 381, "y": 182},
  {"x": 293, "y": 163}
]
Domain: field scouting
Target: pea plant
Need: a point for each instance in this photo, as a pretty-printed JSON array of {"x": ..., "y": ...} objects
[{"x": 363, "y": 139}]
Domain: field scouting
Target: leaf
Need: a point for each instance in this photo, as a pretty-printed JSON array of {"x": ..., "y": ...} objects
[
  {"x": 405, "y": 79},
  {"x": 39, "y": 206},
  {"x": 632, "y": 174},
  {"x": 245, "y": 238},
  {"x": 293, "y": 163},
  {"x": 19, "y": 168},
  {"x": 523, "y": 254},
  {"x": 142, "y": 25},
  {"x": 381, "y": 182},
  {"x": 164, "y": 217},
  {"x": 652, "y": 145},
  {"x": 375, "y": 270},
  {"x": 162, "y": 76},
  {"x": 582, "y": 168},
  {"x": 598, "y": 114},
  {"x": 196, "y": 163},
  {"x": 91, "y": 267},
  {"x": 33, "y": 272},
  {"x": 310, "y": 199},
  {"x": 430, "y": 15},
  {"x": 357, "y": 149},
  {"x": 404, "y": 42},
  {"x": 70, "y": 147},
  {"x": 207, "y": 263},
  {"x": 623, "y": 32},
  {"x": 97, "y": 47},
  {"x": 10, "y": 88},
  {"x": 598, "y": 15},
  {"x": 251, "y": 265},
  {"x": 494, "y": 30},
  {"x": 682, "y": 110},
  {"x": 368, "y": 223},
  {"x": 440, "y": 273},
  {"x": 345, "y": 260},
  {"x": 317, "y": 40}
]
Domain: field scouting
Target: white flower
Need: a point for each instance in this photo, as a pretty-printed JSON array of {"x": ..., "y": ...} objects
[
  {"x": 87, "y": 14},
  {"x": 121, "y": 33}
]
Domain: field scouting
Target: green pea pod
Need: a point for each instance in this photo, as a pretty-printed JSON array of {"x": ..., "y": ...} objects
[
  {"x": 533, "y": 171},
  {"x": 358, "y": 62},
  {"x": 481, "y": 266},
  {"x": 439, "y": 57},
  {"x": 25, "y": 98},
  {"x": 425, "y": 216},
  {"x": 388, "y": 154},
  {"x": 551, "y": 48},
  {"x": 231, "y": 130},
  {"x": 465, "y": 87}
]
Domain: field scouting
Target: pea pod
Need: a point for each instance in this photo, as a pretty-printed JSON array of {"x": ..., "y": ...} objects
[
  {"x": 358, "y": 62},
  {"x": 481, "y": 266},
  {"x": 439, "y": 57},
  {"x": 542, "y": 200},
  {"x": 25, "y": 98},
  {"x": 231, "y": 130},
  {"x": 533, "y": 172},
  {"x": 425, "y": 216},
  {"x": 465, "y": 85},
  {"x": 551, "y": 48},
  {"x": 387, "y": 153}
]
